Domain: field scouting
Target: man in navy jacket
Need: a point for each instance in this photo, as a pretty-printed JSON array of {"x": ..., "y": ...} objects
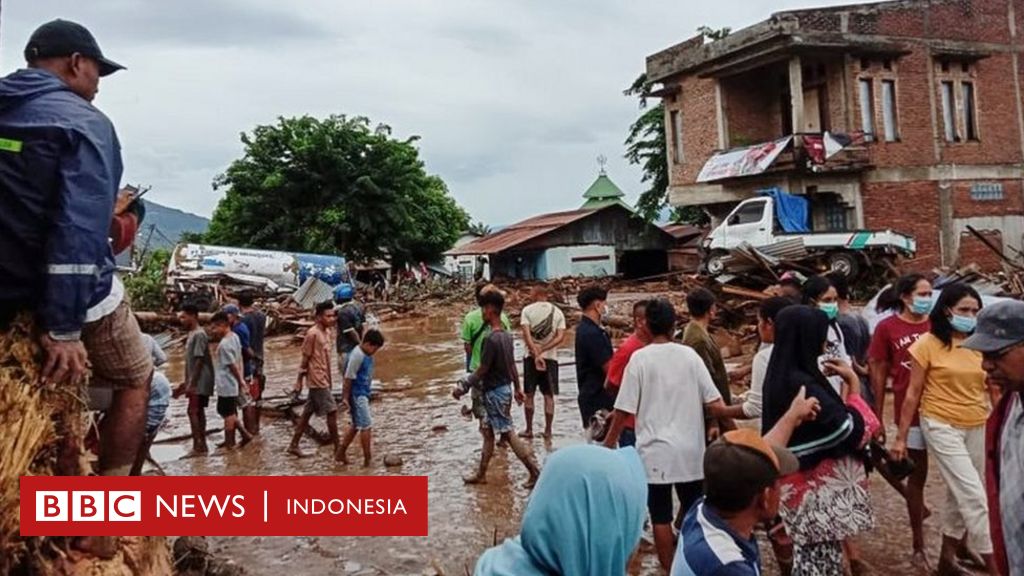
[{"x": 60, "y": 169}]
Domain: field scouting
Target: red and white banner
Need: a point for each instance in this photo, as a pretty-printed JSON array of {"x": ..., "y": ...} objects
[
  {"x": 224, "y": 506},
  {"x": 743, "y": 161}
]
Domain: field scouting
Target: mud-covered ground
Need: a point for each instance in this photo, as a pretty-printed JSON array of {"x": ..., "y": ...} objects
[{"x": 417, "y": 419}]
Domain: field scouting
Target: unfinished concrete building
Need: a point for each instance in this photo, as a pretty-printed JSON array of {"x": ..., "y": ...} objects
[{"x": 903, "y": 115}]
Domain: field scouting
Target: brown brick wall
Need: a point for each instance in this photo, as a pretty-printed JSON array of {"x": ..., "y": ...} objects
[
  {"x": 973, "y": 251},
  {"x": 966, "y": 207},
  {"x": 915, "y": 146},
  {"x": 752, "y": 104},
  {"x": 700, "y": 127},
  {"x": 908, "y": 207},
  {"x": 998, "y": 127}
]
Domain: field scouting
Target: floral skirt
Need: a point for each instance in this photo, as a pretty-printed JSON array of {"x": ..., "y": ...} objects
[{"x": 827, "y": 503}]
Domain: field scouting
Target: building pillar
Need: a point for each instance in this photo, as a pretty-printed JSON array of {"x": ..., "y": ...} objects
[
  {"x": 723, "y": 121},
  {"x": 796, "y": 94},
  {"x": 948, "y": 241}
]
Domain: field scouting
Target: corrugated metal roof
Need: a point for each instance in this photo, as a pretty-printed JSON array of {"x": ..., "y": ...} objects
[
  {"x": 313, "y": 292},
  {"x": 517, "y": 234}
]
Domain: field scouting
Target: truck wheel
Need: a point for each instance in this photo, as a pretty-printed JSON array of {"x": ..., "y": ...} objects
[
  {"x": 714, "y": 264},
  {"x": 844, "y": 263}
]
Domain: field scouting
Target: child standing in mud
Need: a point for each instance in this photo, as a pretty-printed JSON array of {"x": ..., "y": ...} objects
[
  {"x": 497, "y": 376},
  {"x": 227, "y": 378},
  {"x": 356, "y": 391}
]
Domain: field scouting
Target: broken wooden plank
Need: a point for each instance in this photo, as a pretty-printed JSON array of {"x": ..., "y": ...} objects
[{"x": 745, "y": 293}]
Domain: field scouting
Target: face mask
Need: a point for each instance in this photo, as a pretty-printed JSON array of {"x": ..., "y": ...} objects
[
  {"x": 922, "y": 305},
  {"x": 831, "y": 309},
  {"x": 965, "y": 324}
]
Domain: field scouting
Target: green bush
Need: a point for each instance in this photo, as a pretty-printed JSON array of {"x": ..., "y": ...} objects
[{"x": 146, "y": 285}]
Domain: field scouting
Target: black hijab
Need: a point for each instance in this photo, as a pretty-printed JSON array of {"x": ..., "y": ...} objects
[{"x": 800, "y": 334}]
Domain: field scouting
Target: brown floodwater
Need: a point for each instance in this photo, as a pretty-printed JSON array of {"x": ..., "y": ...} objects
[{"x": 417, "y": 419}]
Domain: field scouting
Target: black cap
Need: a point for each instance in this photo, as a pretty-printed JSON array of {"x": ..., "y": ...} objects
[{"x": 64, "y": 38}]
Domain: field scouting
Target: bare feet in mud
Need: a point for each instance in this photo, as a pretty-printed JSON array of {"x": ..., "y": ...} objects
[
  {"x": 341, "y": 457},
  {"x": 969, "y": 557},
  {"x": 294, "y": 451},
  {"x": 922, "y": 567},
  {"x": 366, "y": 464},
  {"x": 226, "y": 445},
  {"x": 195, "y": 454},
  {"x": 104, "y": 547},
  {"x": 527, "y": 434},
  {"x": 245, "y": 441},
  {"x": 474, "y": 480},
  {"x": 502, "y": 443}
]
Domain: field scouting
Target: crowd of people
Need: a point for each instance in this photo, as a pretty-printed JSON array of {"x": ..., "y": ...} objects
[{"x": 792, "y": 455}]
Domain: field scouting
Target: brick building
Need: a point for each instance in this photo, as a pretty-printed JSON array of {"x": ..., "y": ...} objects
[{"x": 926, "y": 95}]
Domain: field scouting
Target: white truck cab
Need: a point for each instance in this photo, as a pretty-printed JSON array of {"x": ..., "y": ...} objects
[{"x": 753, "y": 223}]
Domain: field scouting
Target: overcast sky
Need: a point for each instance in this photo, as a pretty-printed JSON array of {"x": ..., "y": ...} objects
[{"x": 513, "y": 100}]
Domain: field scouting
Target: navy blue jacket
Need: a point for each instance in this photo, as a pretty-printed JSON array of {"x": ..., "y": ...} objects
[{"x": 60, "y": 167}]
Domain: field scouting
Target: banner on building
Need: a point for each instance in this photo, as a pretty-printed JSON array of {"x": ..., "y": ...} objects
[{"x": 743, "y": 161}]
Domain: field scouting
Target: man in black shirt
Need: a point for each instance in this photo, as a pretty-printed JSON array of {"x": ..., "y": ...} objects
[
  {"x": 593, "y": 352},
  {"x": 498, "y": 378},
  {"x": 350, "y": 322}
]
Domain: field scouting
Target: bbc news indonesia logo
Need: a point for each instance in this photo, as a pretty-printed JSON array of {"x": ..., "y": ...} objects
[{"x": 224, "y": 506}]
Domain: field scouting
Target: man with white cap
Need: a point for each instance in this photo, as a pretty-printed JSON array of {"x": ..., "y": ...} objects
[{"x": 1000, "y": 338}]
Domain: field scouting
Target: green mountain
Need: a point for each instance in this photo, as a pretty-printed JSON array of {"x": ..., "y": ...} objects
[{"x": 167, "y": 225}]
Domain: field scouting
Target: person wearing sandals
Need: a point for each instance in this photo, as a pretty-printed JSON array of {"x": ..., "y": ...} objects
[
  {"x": 827, "y": 501},
  {"x": 947, "y": 384}
]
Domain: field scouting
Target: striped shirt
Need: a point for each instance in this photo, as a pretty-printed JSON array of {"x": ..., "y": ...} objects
[{"x": 709, "y": 547}]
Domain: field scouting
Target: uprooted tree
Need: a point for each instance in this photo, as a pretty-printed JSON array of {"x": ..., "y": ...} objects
[{"x": 335, "y": 185}]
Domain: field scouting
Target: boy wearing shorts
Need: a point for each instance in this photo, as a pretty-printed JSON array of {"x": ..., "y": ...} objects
[
  {"x": 356, "y": 391},
  {"x": 227, "y": 378}
]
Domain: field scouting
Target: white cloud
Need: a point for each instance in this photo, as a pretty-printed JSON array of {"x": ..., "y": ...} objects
[{"x": 513, "y": 100}]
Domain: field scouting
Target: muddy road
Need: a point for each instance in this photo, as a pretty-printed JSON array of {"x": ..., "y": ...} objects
[{"x": 417, "y": 419}]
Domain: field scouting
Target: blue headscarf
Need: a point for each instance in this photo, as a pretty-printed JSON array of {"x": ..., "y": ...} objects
[{"x": 586, "y": 516}]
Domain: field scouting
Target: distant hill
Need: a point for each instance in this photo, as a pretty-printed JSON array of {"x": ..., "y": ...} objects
[{"x": 170, "y": 224}]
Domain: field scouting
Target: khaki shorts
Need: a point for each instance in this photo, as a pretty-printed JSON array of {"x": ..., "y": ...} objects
[
  {"x": 321, "y": 402},
  {"x": 118, "y": 358}
]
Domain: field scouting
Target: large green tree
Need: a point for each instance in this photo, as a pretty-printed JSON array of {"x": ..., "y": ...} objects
[
  {"x": 646, "y": 147},
  {"x": 336, "y": 185}
]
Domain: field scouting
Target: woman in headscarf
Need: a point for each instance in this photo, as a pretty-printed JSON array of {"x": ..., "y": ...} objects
[
  {"x": 947, "y": 384},
  {"x": 827, "y": 501},
  {"x": 819, "y": 292},
  {"x": 585, "y": 516}
]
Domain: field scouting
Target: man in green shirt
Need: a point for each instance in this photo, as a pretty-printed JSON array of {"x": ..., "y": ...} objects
[
  {"x": 474, "y": 332},
  {"x": 702, "y": 307}
]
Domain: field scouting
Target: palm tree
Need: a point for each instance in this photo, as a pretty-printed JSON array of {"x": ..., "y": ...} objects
[{"x": 479, "y": 229}]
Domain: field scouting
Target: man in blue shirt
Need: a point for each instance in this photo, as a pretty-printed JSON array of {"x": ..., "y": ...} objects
[
  {"x": 741, "y": 491},
  {"x": 356, "y": 393},
  {"x": 60, "y": 170}
]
